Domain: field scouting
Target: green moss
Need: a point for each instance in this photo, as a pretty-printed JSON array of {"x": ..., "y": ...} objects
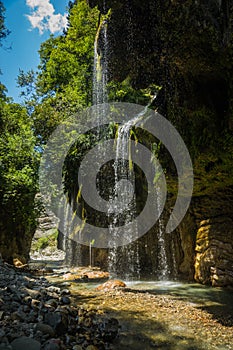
[{"x": 46, "y": 241}]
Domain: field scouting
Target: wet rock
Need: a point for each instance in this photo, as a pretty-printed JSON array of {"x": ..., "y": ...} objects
[
  {"x": 111, "y": 284},
  {"x": 54, "y": 289},
  {"x": 25, "y": 343},
  {"x": 97, "y": 275}
]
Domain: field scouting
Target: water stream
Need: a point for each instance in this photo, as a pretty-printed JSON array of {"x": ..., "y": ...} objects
[{"x": 162, "y": 315}]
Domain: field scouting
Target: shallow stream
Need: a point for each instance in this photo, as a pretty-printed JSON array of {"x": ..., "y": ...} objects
[{"x": 163, "y": 315}]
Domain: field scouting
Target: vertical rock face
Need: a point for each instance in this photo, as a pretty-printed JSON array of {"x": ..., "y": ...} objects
[
  {"x": 214, "y": 240},
  {"x": 186, "y": 48},
  {"x": 15, "y": 238},
  {"x": 187, "y": 235}
]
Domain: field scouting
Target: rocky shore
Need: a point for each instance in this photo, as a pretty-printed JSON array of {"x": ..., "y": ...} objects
[
  {"x": 35, "y": 314},
  {"x": 71, "y": 308}
]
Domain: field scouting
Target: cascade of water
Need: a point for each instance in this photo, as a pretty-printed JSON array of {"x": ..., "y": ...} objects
[
  {"x": 100, "y": 64},
  {"x": 72, "y": 249},
  {"x": 100, "y": 73},
  {"x": 163, "y": 266},
  {"x": 124, "y": 259}
]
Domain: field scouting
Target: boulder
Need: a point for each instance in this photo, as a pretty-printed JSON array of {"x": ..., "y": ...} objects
[
  {"x": 111, "y": 284},
  {"x": 25, "y": 343}
]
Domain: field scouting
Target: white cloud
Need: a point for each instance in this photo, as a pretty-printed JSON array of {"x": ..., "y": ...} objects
[{"x": 43, "y": 16}]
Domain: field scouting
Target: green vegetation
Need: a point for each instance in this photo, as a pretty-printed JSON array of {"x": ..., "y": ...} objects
[
  {"x": 18, "y": 179},
  {"x": 46, "y": 241},
  {"x": 180, "y": 50},
  {"x": 18, "y": 175}
]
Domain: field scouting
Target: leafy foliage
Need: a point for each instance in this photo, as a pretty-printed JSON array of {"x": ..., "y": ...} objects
[
  {"x": 63, "y": 84},
  {"x": 3, "y": 30},
  {"x": 18, "y": 178}
]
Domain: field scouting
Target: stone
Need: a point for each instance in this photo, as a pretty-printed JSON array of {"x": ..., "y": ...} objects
[
  {"x": 18, "y": 263},
  {"x": 45, "y": 329},
  {"x": 65, "y": 292},
  {"x": 111, "y": 284},
  {"x": 52, "y": 344},
  {"x": 110, "y": 329},
  {"x": 54, "y": 289},
  {"x": 65, "y": 300},
  {"x": 58, "y": 321},
  {"x": 214, "y": 249},
  {"x": 52, "y": 302},
  {"x": 25, "y": 343},
  {"x": 97, "y": 275},
  {"x": 30, "y": 323}
]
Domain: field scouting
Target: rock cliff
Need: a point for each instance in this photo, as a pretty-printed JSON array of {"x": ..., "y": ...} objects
[{"x": 186, "y": 48}]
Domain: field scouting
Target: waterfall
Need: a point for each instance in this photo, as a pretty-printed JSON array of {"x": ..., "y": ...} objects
[
  {"x": 124, "y": 261},
  {"x": 163, "y": 265},
  {"x": 100, "y": 72},
  {"x": 69, "y": 246}
]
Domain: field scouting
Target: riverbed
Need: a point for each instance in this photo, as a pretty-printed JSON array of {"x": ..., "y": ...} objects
[{"x": 168, "y": 315}]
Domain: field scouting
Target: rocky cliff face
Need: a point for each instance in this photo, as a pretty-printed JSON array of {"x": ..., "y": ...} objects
[
  {"x": 214, "y": 239},
  {"x": 16, "y": 235},
  {"x": 186, "y": 48}
]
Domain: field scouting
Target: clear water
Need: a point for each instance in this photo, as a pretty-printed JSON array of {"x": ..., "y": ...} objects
[{"x": 168, "y": 315}]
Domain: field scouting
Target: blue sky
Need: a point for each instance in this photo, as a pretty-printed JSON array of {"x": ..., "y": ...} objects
[{"x": 31, "y": 22}]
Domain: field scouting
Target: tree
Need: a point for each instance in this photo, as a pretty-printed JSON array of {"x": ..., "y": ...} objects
[
  {"x": 18, "y": 181},
  {"x": 3, "y": 34},
  {"x": 3, "y": 30},
  {"x": 18, "y": 174},
  {"x": 62, "y": 86}
]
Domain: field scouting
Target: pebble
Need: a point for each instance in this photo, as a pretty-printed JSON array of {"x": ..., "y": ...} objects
[
  {"x": 36, "y": 315},
  {"x": 65, "y": 300}
]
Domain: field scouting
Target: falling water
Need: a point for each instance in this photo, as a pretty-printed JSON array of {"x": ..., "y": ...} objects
[
  {"x": 124, "y": 260},
  {"x": 100, "y": 73},
  {"x": 72, "y": 249},
  {"x": 163, "y": 271}
]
